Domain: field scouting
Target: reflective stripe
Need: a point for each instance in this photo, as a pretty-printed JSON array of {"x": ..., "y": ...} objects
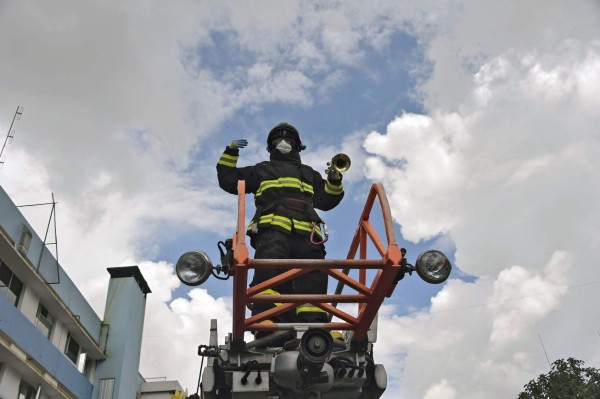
[
  {"x": 284, "y": 182},
  {"x": 276, "y": 220},
  {"x": 334, "y": 189},
  {"x": 269, "y": 291},
  {"x": 230, "y": 164},
  {"x": 228, "y": 160},
  {"x": 286, "y": 223},
  {"x": 308, "y": 308},
  {"x": 306, "y": 226}
]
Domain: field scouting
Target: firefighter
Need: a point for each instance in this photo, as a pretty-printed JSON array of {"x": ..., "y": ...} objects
[{"x": 286, "y": 194}]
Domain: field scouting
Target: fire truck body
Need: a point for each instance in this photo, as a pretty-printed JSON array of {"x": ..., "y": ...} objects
[{"x": 304, "y": 361}]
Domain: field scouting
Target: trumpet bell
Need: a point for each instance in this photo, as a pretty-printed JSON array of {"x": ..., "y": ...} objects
[{"x": 341, "y": 162}]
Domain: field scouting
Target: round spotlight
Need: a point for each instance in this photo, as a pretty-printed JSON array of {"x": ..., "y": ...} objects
[
  {"x": 193, "y": 268},
  {"x": 433, "y": 267},
  {"x": 316, "y": 346}
]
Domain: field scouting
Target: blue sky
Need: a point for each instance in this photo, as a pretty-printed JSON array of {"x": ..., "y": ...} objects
[
  {"x": 373, "y": 94},
  {"x": 479, "y": 119}
]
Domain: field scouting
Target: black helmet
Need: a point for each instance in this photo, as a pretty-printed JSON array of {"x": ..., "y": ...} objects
[{"x": 285, "y": 130}]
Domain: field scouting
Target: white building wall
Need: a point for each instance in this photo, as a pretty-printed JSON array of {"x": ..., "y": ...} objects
[
  {"x": 9, "y": 384},
  {"x": 57, "y": 333},
  {"x": 29, "y": 304},
  {"x": 60, "y": 340}
]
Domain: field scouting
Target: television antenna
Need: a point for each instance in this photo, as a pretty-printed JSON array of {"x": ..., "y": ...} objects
[
  {"x": 11, "y": 134},
  {"x": 51, "y": 219}
]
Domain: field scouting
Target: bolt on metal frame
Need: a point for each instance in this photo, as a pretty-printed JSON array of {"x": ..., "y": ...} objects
[{"x": 369, "y": 297}]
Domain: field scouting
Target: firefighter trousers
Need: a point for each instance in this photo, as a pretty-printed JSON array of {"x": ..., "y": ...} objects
[{"x": 274, "y": 244}]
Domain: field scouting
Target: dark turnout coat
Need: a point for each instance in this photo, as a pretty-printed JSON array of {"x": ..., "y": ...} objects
[{"x": 286, "y": 192}]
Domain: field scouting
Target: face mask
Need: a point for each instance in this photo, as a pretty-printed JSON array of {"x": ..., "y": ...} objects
[{"x": 283, "y": 147}]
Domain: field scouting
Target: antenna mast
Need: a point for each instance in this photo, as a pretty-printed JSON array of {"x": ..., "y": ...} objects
[{"x": 11, "y": 134}]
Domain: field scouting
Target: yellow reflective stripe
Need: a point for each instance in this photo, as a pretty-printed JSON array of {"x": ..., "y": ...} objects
[
  {"x": 228, "y": 160},
  {"x": 284, "y": 182},
  {"x": 287, "y": 223},
  {"x": 282, "y": 223},
  {"x": 271, "y": 292},
  {"x": 307, "y": 308},
  {"x": 279, "y": 183},
  {"x": 276, "y": 220},
  {"x": 306, "y": 226},
  {"x": 230, "y": 164},
  {"x": 334, "y": 189}
]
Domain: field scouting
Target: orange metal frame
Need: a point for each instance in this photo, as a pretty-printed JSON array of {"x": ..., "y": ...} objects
[{"x": 368, "y": 298}]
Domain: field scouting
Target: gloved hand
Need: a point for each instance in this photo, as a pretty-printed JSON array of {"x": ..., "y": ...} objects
[
  {"x": 336, "y": 175},
  {"x": 240, "y": 143}
]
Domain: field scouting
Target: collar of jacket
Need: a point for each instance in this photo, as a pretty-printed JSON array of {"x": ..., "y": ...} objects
[{"x": 293, "y": 157}]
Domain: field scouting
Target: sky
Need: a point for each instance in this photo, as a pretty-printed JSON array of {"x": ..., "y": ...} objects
[{"x": 479, "y": 118}]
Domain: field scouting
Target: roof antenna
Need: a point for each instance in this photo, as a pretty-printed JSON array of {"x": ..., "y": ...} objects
[
  {"x": 10, "y": 135},
  {"x": 46, "y": 243},
  {"x": 544, "y": 348}
]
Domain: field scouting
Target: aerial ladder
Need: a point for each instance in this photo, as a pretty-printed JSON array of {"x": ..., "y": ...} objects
[{"x": 310, "y": 364}]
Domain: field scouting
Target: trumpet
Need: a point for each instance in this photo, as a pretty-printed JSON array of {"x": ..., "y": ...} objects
[{"x": 339, "y": 163}]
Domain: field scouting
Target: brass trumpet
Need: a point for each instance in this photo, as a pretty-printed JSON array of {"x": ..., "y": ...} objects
[{"x": 339, "y": 163}]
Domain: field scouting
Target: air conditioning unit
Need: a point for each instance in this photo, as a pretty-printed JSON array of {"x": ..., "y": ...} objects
[{"x": 24, "y": 241}]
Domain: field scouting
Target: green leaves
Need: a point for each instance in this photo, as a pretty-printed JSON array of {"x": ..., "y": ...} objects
[{"x": 567, "y": 379}]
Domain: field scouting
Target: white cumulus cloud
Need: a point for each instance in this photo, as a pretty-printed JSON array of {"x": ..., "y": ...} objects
[{"x": 505, "y": 166}]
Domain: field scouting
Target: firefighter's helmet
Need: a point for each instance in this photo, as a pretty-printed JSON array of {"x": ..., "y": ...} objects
[{"x": 285, "y": 130}]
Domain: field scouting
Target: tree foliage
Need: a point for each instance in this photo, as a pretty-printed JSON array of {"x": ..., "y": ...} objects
[{"x": 567, "y": 379}]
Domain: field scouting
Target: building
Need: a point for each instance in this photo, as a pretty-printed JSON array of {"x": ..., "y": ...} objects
[{"x": 52, "y": 343}]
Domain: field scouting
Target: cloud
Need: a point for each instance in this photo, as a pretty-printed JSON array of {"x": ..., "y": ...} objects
[
  {"x": 123, "y": 104},
  {"x": 481, "y": 335},
  {"x": 430, "y": 168},
  {"x": 113, "y": 107},
  {"x": 504, "y": 163},
  {"x": 499, "y": 162},
  {"x": 179, "y": 325},
  {"x": 441, "y": 390},
  {"x": 466, "y": 34}
]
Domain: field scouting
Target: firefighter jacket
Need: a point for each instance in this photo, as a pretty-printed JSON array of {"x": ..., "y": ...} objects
[{"x": 286, "y": 192}]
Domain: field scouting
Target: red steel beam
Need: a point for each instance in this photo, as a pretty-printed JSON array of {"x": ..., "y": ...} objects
[
  {"x": 307, "y": 298},
  {"x": 363, "y": 253},
  {"x": 240, "y": 268},
  {"x": 369, "y": 298},
  {"x": 370, "y": 231},
  {"x": 320, "y": 264},
  {"x": 272, "y": 282},
  {"x": 337, "y": 312},
  {"x": 349, "y": 281},
  {"x": 275, "y": 326},
  {"x": 267, "y": 314}
]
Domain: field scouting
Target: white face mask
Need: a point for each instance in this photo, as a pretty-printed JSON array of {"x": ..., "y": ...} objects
[{"x": 283, "y": 147}]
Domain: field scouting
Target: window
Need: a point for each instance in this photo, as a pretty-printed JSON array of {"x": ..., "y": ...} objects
[
  {"x": 26, "y": 391},
  {"x": 44, "y": 321},
  {"x": 82, "y": 361},
  {"x": 76, "y": 354},
  {"x": 106, "y": 388},
  {"x": 10, "y": 285},
  {"x": 72, "y": 349}
]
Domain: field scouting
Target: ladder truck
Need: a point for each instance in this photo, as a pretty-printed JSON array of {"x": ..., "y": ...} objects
[{"x": 302, "y": 360}]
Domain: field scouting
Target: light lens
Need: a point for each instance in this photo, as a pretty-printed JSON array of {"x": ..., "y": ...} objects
[
  {"x": 193, "y": 268},
  {"x": 433, "y": 266},
  {"x": 315, "y": 348}
]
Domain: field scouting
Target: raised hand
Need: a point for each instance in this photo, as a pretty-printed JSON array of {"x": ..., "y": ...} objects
[{"x": 239, "y": 143}]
